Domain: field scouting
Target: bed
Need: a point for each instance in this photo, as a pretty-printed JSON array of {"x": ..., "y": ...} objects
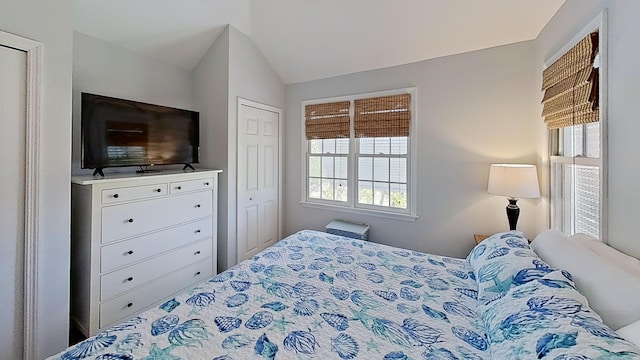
[{"x": 323, "y": 296}]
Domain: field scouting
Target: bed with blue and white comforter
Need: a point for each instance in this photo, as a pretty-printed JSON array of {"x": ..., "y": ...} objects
[{"x": 322, "y": 296}]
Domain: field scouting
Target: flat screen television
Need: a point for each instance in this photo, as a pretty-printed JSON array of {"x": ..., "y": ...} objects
[{"x": 117, "y": 132}]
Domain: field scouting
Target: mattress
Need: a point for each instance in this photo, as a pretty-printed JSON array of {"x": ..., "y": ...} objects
[
  {"x": 323, "y": 296},
  {"x": 311, "y": 295}
]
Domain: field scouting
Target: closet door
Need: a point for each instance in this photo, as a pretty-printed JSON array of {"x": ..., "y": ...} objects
[
  {"x": 258, "y": 179},
  {"x": 13, "y": 72}
]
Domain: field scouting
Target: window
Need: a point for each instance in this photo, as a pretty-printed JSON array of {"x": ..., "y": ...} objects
[
  {"x": 572, "y": 114},
  {"x": 575, "y": 176},
  {"x": 358, "y": 153}
]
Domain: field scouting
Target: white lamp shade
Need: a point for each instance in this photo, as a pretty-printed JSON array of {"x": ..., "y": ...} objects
[{"x": 514, "y": 180}]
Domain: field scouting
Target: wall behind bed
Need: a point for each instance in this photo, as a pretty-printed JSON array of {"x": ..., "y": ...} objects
[
  {"x": 474, "y": 109},
  {"x": 624, "y": 127}
]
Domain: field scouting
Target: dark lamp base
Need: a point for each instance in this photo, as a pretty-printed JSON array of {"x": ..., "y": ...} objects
[{"x": 513, "y": 211}]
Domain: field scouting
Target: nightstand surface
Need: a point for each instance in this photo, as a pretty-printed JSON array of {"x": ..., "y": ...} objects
[{"x": 479, "y": 238}]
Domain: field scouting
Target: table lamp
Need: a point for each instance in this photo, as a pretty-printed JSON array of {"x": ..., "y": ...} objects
[{"x": 513, "y": 181}]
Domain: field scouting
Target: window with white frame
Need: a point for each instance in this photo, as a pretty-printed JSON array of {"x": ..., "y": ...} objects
[
  {"x": 358, "y": 152},
  {"x": 575, "y": 177},
  {"x": 572, "y": 114}
]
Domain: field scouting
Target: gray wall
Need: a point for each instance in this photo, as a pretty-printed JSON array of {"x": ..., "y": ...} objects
[
  {"x": 248, "y": 76},
  {"x": 102, "y": 68},
  {"x": 50, "y": 22},
  {"x": 474, "y": 109},
  {"x": 211, "y": 93},
  {"x": 624, "y": 127}
]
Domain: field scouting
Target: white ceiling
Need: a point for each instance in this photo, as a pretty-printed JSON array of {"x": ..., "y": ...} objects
[{"x": 309, "y": 39}]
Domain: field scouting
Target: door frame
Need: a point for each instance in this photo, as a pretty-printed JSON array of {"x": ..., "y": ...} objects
[
  {"x": 33, "y": 50},
  {"x": 261, "y": 106}
]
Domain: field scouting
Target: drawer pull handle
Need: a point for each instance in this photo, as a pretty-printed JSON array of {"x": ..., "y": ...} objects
[
  {"x": 206, "y": 184},
  {"x": 130, "y": 252},
  {"x": 130, "y": 220},
  {"x": 197, "y": 253},
  {"x": 197, "y": 274},
  {"x": 179, "y": 187},
  {"x": 159, "y": 190},
  {"x": 198, "y": 231},
  {"x": 197, "y": 205},
  {"x": 130, "y": 278},
  {"x": 115, "y": 196},
  {"x": 129, "y": 304}
]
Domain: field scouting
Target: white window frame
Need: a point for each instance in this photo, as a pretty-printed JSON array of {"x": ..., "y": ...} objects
[
  {"x": 352, "y": 206},
  {"x": 556, "y": 209}
]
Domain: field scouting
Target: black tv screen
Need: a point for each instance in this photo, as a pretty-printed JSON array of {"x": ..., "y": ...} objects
[{"x": 117, "y": 132}]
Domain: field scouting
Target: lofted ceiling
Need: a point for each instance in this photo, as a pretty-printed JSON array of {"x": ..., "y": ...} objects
[{"x": 309, "y": 39}]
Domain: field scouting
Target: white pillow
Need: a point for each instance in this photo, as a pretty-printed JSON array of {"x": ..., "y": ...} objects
[
  {"x": 626, "y": 262},
  {"x": 631, "y": 332},
  {"x": 612, "y": 291}
]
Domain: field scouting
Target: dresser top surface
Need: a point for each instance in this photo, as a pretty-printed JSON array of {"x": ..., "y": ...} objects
[{"x": 122, "y": 177}]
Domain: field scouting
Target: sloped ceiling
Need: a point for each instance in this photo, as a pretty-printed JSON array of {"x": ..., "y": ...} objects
[{"x": 309, "y": 39}]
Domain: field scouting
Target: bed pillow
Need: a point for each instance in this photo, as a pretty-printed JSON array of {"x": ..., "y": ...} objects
[
  {"x": 549, "y": 319},
  {"x": 631, "y": 332},
  {"x": 613, "y": 292},
  {"x": 502, "y": 261}
]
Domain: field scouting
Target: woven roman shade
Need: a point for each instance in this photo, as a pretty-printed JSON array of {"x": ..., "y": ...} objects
[
  {"x": 383, "y": 116},
  {"x": 570, "y": 85},
  {"x": 327, "y": 121}
]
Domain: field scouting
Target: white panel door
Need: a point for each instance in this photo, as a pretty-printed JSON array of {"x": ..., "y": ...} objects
[
  {"x": 13, "y": 72},
  {"x": 258, "y": 180}
]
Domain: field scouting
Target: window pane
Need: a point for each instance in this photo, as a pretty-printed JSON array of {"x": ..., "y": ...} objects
[
  {"x": 587, "y": 200},
  {"x": 398, "y": 196},
  {"x": 572, "y": 141},
  {"x": 327, "y": 189},
  {"x": 341, "y": 167},
  {"x": 577, "y": 201},
  {"x": 398, "y": 170},
  {"x": 315, "y": 146},
  {"x": 365, "y": 192},
  {"x": 381, "y": 169},
  {"x": 593, "y": 140},
  {"x": 365, "y": 168},
  {"x": 329, "y": 146},
  {"x": 314, "y": 188},
  {"x": 327, "y": 166},
  {"x": 341, "y": 190},
  {"x": 399, "y": 145},
  {"x": 366, "y": 145},
  {"x": 382, "y": 145},
  {"x": 314, "y": 166},
  {"x": 381, "y": 194},
  {"x": 342, "y": 146}
]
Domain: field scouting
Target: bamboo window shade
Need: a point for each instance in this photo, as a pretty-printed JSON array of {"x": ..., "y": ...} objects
[
  {"x": 571, "y": 91},
  {"x": 327, "y": 121},
  {"x": 383, "y": 116}
]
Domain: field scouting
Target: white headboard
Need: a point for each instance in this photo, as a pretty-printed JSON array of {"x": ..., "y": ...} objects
[{"x": 608, "y": 278}]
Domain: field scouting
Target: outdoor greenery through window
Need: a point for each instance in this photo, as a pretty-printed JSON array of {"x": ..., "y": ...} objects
[{"x": 366, "y": 164}]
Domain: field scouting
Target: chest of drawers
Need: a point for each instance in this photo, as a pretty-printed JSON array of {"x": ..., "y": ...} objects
[{"x": 138, "y": 240}]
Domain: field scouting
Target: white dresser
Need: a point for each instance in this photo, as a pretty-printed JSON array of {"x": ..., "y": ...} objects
[{"x": 137, "y": 240}]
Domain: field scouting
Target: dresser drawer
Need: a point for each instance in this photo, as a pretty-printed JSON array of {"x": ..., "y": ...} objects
[
  {"x": 190, "y": 185},
  {"x": 125, "y": 305},
  {"x": 132, "y": 276},
  {"x": 127, "y": 220},
  {"x": 117, "y": 195},
  {"x": 130, "y": 251}
]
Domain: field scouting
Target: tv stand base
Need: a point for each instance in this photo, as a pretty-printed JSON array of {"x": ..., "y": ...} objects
[{"x": 98, "y": 171}]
